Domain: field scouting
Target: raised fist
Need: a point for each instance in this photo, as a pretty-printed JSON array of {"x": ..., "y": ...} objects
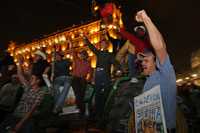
[{"x": 141, "y": 16}]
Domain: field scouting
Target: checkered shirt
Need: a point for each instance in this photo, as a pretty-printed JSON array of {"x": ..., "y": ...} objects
[{"x": 29, "y": 98}]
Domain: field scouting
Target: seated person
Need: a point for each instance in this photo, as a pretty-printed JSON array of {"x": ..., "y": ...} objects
[
  {"x": 10, "y": 95},
  {"x": 20, "y": 119}
]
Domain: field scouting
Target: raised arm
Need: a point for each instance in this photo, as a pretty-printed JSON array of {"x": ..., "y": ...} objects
[
  {"x": 91, "y": 47},
  {"x": 155, "y": 36},
  {"x": 138, "y": 44},
  {"x": 20, "y": 73},
  {"x": 127, "y": 47}
]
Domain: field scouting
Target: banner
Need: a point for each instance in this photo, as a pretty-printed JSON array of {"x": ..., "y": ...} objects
[{"x": 149, "y": 113}]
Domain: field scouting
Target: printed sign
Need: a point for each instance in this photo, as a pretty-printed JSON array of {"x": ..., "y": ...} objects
[{"x": 149, "y": 114}]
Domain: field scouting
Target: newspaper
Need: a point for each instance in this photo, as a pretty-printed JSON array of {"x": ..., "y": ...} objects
[{"x": 149, "y": 113}]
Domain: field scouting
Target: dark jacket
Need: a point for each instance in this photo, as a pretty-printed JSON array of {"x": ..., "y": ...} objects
[{"x": 104, "y": 58}]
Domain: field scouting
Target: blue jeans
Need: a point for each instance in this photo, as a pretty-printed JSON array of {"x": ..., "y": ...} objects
[{"x": 60, "y": 96}]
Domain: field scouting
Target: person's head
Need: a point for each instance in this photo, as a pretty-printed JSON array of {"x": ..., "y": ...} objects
[
  {"x": 104, "y": 44},
  {"x": 83, "y": 55},
  {"x": 36, "y": 81},
  {"x": 148, "y": 62},
  {"x": 39, "y": 55},
  {"x": 59, "y": 56}
]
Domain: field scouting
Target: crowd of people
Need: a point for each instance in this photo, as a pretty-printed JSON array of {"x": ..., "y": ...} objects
[{"x": 25, "y": 90}]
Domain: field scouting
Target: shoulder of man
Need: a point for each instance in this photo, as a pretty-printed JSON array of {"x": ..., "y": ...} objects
[
  {"x": 166, "y": 65},
  {"x": 166, "y": 69}
]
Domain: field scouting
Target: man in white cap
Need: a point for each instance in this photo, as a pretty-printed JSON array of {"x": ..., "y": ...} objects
[
  {"x": 39, "y": 54},
  {"x": 40, "y": 65}
]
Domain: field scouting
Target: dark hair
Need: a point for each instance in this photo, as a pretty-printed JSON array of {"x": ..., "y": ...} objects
[{"x": 60, "y": 54}]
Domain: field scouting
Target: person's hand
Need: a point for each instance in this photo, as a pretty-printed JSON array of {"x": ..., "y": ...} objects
[
  {"x": 141, "y": 16},
  {"x": 11, "y": 67}
]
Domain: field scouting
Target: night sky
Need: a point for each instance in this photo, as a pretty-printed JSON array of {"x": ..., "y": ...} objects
[{"x": 24, "y": 20}]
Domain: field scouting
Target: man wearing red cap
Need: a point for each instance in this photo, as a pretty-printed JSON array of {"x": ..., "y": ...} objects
[{"x": 107, "y": 12}]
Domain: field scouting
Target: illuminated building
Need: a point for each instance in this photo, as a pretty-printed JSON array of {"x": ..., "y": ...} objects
[{"x": 59, "y": 42}]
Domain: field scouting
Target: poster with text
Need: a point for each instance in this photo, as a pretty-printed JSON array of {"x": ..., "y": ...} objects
[{"x": 149, "y": 113}]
